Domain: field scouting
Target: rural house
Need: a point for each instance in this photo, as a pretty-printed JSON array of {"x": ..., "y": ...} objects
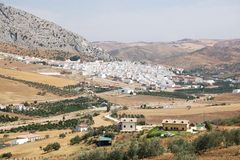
[
  {"x": 81, "y": 127},
  {"x": 236, "y": 91},
  {"x": 25, "y": 138},
  {"x": 175, "y": 125},
  {"x": 128, "y": 124}
]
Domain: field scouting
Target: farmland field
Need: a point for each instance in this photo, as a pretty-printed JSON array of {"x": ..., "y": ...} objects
[
  {"x": 34, "y": 77},
  {"x": 195, "y": 114},
  {"x": 15, "y": 92},
  {"x": 137, "y": 100},
  {"x": 32, "y": 149}
]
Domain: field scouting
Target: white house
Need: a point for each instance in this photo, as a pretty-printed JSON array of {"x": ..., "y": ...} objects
[
  {"x": 19, "y": 141},
  {"x": 25, "y": 138},
  {"x": 236, "y": 91},
  {"x": 128, "y": 124},
  {"x": 81, "y": 127},
  {"x": 2, "y": 106}
]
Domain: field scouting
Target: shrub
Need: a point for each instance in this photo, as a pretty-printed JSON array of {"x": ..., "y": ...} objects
[
  {"x": 185, "y": 156},
  {"x": 93, "y": 155},
  {"x": 149, "y": 148},
  {"x": 6, "y": 155},
  {"x": 180, "y": 145},
  {"x": 133, "y": 150},
  {"x": 116, "y": 155},
  {"x": 75, "y": 140},
  {"x": 207, "y": 141},
  {"x": 228, "y": 122},
  {"x": 232, "y": 137},
  {"x": 208, "y": 126},
  {"x": 62, "y": 135},
  {"x": 51, "y": 147}
]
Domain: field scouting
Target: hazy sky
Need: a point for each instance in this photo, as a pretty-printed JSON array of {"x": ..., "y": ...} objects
[{"x": 140, "y": 20}]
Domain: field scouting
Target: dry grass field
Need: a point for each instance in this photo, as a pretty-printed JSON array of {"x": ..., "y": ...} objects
[
  {"x": 100, "y": 120},
  {"x": 34, "y": 77},
  {"x": 32, "y": 149},
  {"x": 137, "y": 100},
  {"x": 15, "y": 92},
  {"x": 12, "y": 64},
  {"x": 198, "y": 112},
  {"x": 228, "y": 98},
  {"x": 230, "y": 153}
]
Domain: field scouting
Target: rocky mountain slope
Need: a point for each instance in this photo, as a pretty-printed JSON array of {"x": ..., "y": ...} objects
[{"x": 21, "y": 29}]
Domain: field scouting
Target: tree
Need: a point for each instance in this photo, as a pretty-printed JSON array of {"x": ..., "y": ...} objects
[
  {"x": 62, "y": 135},
  {"x": 6, "y": 155},
  {"x": 75, "y": 140},
  {"x": 51, "y": 147},
  {"x": 208, "y": 126},
  {"x": 201, "y": 143},
  {"x": 180, "y": 145},
  {"x": 185, "y": 156},
  {"x": 108, "y": 108},
  {"x": 133, "y": 150},
  {"x": 116, "y": 155},
  {"x": 149, "y": 147}
]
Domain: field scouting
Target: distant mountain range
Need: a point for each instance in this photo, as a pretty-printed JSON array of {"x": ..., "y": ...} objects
[
  {"x": 186, "y": 53},
  {"x": 24, "y": 33}
]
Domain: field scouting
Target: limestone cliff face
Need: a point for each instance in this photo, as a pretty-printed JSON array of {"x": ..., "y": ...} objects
[{"x": 24, "y": 29}]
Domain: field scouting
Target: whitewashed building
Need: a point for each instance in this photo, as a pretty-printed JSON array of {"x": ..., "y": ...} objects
[
  {"x": 81, "y": 127},
  {"x": 25, "y": 138},
  {"x": 128, "y": 124},
  {"x": 236, "y": 91}
]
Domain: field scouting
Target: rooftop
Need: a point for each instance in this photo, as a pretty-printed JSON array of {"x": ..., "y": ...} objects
[
  {"x": 102, "y": 138},
  {"x": 27, "y": 136},
  {"x": 175, "y": 121},
  {"x": 128, "y": 120}
]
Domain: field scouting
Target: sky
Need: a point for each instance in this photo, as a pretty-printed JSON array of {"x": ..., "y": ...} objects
[{"x": 140, "y": 20}]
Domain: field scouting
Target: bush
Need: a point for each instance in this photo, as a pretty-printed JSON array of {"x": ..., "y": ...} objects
[
  {"x": 207, "y": 141},
  {"x": 180, "y": 145},
  {"x": 228, "y": 122},
  {"x": 62, "y": 135},
  {"x": 75, "y": 140},
  {"x": 51, "y": 147},
  {"x": 133, "y": 150},
  {"x": 74, "y": 58},
  {"x": 185, "y": 156},
  {"x": 232, "y": 137},
  {"x": 143, "y": 148},
  {"x": 208, "y": 126},
  {"x": 93, "y": 155},
  {"x": 149, "y": 148},
  {"x": 7, "y": 118},
  {"x": 6, "y": 155},
  {"x": 116, "y": 155},
  {"x": 181, "y": 95}
]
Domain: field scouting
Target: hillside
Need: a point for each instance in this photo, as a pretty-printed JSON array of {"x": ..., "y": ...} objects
[
  {"x": 156, "y": 52},
  {"x": 24, "y": 33},
  {"x": 223, "y": 52},
  {"x": 208, "y": 55}
]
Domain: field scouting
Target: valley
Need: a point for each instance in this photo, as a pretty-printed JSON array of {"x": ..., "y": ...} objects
[{"x": 63, "y": 97}]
